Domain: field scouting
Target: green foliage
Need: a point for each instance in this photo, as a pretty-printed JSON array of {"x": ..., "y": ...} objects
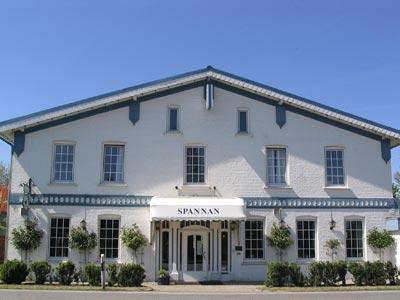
[
  {"x": 392, "y": 273},
  {"x": 279, "y": 238},
  {"x": 4, "y": 174},
  {"x": 112, "y": 272},
  {"x": 65, "y": 272},
  {"x": 93, "y": 273},
  {"x": 26, "y": 238},
  {"x": 282, "y": 273},
  {"x": 80, "y": 238},
  {"x": 41, "y": 269},
  {"x": 332, "y": 246},
  {"x": 131, "y": 275},
  {"x": 13, "y": 271},
  {"x": 327, "y": 273},
  {"x": 368, "y": 273},
  {"x": 133, "y": 238},
  {"x": 163, "y": 273},
  {"x": 379, "y": 239}
]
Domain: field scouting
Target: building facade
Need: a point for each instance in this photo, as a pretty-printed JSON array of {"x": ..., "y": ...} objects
[{"x": 204, "y": 163}]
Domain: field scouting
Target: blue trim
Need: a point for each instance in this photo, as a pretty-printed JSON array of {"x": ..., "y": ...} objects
[
  {"x": 385, "y": 149},
  {"x": 134, "y": 111},
  {"x": 251, "y": 202},
  {"x": 19, "y": 142},
  {"x": 5, "y": 141},
  {"x": 88, "y": 100},
  {"x": 280, "y": 115}
]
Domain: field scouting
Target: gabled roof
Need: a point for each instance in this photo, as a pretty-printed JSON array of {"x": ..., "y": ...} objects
[{"x": 7, "y": 128}]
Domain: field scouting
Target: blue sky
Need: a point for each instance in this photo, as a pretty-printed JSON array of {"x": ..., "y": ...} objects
[{"x": 341, "y": 53}]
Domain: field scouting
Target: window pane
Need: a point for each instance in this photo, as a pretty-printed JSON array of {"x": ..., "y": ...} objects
[
  {"x": 254, "y": 239},
  {"x": 173, "y": 119},
  {"x": 276, "y": 166},
  {"x": 113, "y": 163},
  {"x": 195, "y": 165},
  {"x": 109, "y": 238}
]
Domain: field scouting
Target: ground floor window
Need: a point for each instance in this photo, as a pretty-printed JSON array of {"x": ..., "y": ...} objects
[
  {"x": 354, "y": 238},
  {"x": 165, "y": 250},
  {"x": 254, "y": 239},
  {"x": 109, "y": 237},
  {"x": 306, "y": 239},
  {"x": 59, "y": 234}
]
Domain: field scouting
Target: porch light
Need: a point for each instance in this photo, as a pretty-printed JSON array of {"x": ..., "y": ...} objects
[{"x": 83, "y": 224}]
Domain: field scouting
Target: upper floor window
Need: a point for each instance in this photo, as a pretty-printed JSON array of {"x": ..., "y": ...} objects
[
  {"x": 306, "y": 239},
  {"x": 195, "y": 164},
  {"x": 59, "y": 234},
  {"x": 243, "y": 121},
  {"x": 354, "y": 238},
  {"x": 334, "y": 167},
  {"x": 113, "y": 166},
  {"x": 254, "y": 239},
  {"x": 63, "y": 165},
  {"x": 276, "y": 166},
  {"x": 173, "y": 118}
]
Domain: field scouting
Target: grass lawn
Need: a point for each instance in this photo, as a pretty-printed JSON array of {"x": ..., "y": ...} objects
[
  {"x": 71, "y": 287},
  {"x": 350, "y": 288}
]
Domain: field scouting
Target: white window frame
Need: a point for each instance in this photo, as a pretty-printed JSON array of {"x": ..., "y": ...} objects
[
  {"x": 239, "y": 110},
  {"x": 53, "y": 162},
  {"x": 307, "y": 219},
  {"x": 112, "y": 218},
  {"x": 358, "y": 219},
  {"x": 249, "y": 259},
  {"x": 185, "y": 164},
  {"x": 178, "y": 121},
  {"x": 117, "y": 144},
  {"x": 277, "y": 147},
  {"x": 56, "y": 216},
  {"x": 335, "y": 148}
]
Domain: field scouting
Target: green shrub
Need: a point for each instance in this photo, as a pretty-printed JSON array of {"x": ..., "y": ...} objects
[
  {"x": 41, "y": 269},
  {"x": 281, "y": 273},
  {"x": 65, "y": 272},
  {"x": 112, "y": 271},
  {"x": 375, "y": 273},
  {"x": 316, "y": 273},
  {"x": 93, "y": 273},
  {"x": 280, "y": 238},
  {"x": 131, "y": 275},
  {"x": 358, "y": 272},
  {"x": 341, "y": 269},
  {"x": 327, "y": 273},
  {"x": 392, "y": 273},
  {"x": 13, "y": 271}
]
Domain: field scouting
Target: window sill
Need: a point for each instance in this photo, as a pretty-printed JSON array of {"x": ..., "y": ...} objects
[
  {"x": 337, "y": 187},
  {"x": 57, "y": 259},
  {"x": 60, "y": 183},
  {"x": 248, "y": 134},
  {"x": 110, "y": 184},
  {"x": 287, "y": 187},
  {"x": 173, "y": 132},
  {"x": 254, "y": 262}
]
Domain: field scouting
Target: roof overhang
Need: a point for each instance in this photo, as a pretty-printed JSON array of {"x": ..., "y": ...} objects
[
  {"x": 197, "y": 208},
  {"x": 135, "y": 93}
]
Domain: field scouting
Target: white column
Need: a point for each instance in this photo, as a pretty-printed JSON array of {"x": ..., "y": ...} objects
[
  {"x": 174, "y": 272},
  {"x": 215, "y": 255}
]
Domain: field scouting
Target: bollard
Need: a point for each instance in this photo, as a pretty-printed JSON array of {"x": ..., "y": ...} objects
[{"x": 103, "y": 278}]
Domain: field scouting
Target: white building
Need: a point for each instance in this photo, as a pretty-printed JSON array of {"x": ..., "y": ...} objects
[{"x": 204, "y": 163}]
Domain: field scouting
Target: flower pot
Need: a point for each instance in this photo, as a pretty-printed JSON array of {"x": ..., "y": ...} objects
[{"x": 163, "y": 280}]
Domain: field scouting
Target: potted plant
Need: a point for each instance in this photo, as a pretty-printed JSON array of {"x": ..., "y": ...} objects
[{"x": 163, "y": 277}]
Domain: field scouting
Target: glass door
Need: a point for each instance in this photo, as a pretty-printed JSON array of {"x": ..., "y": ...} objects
[{"x": 195, "y": 256}]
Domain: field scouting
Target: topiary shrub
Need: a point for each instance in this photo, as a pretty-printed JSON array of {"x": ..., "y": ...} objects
[
  {"x": 392, "y": 273},
  {"x": 112, "y": 272},
  {"x": 316, "y": 273},
  {"x": 332, "y": 247},
  {"x": 13, "y": 271},
  {"x": 81, "y": 239},
  {"x": 131, "y": 275},
  {"x": 283, "y": 273},
  {"x": 65, "y": 272},
  {"x": 279, "y": 238},
  {"x": 133, "y": 238},
  {"x": 380, "y": 240},
  {"x": 93, "y": 273},
  {"x": 26, "y": 238},
  {"x": 358, "y": 272},
  {"x": 41, "y": 269}
]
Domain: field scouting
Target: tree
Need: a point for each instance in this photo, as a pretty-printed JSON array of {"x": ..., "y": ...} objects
[
  {"x": 26, "y": 238},
  {"x": 4, "y": 174},
  {"x": 332, "y": 246},
  {"x": 396, "y": 185},
  {"x": 133, "y": 238},
  {"x": 82, "y": 240},
  {"x": 279, "y": 238},
  {"x": 379, "y": 240}
]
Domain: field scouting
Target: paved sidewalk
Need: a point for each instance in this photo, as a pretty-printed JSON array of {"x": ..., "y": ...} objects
[{"x": 231, "y": 288}]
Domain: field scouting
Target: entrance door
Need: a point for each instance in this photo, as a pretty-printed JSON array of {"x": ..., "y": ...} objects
[{"x": 194, "y": 250}]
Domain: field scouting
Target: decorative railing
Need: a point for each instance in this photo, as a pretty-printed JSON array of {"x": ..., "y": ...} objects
[{"x": 251, "y": 202}]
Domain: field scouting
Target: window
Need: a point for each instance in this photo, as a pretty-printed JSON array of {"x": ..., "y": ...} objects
[
  {"x": 173, "y": 119},
  {"x": 113, "y": 167},
  {"x": 195, "y": 164},
  {"x": 276, "y": 166},
  {"x": 306, "y": 239},
  {"x": 59, "y": 234},
  {"x": 165, "y": 245},
  {"x": 242, "y": 121},
  {"x": 63, "y": 164},
  {"x": 334, "y": 167},
  {"x": 109, "y": 237},
  {"x": 254, "y": 239},
  {"x": 354, "y": 238}
]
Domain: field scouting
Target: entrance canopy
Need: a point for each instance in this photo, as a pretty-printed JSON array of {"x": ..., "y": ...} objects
[{"x": 197, "y": 208}]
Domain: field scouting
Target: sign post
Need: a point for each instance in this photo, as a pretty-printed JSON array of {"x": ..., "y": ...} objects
[{"x": 103, "y": 278}]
